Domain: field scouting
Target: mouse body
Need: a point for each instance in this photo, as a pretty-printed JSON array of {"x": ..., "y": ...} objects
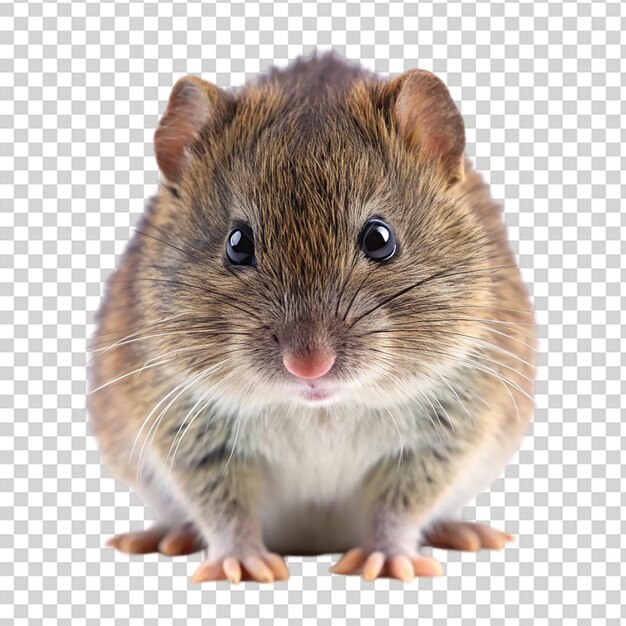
[{"x": 318, "y": 339}]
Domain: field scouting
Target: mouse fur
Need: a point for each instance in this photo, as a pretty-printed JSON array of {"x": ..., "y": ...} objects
[{"x": 432, "y": 380}]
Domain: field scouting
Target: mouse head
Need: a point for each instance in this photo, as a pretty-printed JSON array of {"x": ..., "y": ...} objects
[{"x": 317, "y": 244}]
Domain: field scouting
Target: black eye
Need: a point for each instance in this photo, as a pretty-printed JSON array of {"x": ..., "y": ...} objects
[
  {"x": 378, "y": 240},
  {"x": 240, "y": 246}
]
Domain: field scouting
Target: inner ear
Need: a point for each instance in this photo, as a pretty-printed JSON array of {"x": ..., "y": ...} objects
[
  {"x": 429, "y": 121},
  {"x": 192, "y": 103}
]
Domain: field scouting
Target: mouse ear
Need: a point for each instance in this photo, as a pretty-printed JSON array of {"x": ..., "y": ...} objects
[
  {"x": 191, "y": 104},
  {"x": 429, "y": 120}
]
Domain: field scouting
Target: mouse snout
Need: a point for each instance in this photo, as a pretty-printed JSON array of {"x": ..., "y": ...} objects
[{"x": 310, "y": 365}]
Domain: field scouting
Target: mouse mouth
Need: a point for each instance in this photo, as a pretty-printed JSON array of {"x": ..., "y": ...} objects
[{"x": 315, "y": 393}]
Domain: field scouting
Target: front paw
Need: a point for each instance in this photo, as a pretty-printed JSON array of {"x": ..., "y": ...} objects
[
  {"x": 263, "y": 567},
  {"x": 467, "y": 536},
  {"x": 390, "y": 564}
]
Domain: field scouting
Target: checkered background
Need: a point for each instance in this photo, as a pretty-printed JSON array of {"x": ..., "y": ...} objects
[{"x": 541, "y": 87}]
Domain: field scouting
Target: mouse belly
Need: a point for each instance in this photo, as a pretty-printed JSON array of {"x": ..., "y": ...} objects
[
  {"x": 302, "y": 527},
  {"x": 314, "y": 499}
]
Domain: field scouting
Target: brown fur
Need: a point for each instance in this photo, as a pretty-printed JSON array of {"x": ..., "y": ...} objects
[{"x": 305, "y": 156}]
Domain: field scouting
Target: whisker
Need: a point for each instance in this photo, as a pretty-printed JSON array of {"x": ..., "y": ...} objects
[
  {"x": 503, "y": 379},
  {"x": 135, "y": 329},
  {"x": 358, "y": 290},
  {"x": 454, "y": 393},
  {"x": 395, "y": 423},
  {"x": 491, "y": 346},
  {"x": 409, "y": 325},
  {"x": 472, "y": 363},
  {"x": 446, "y": 273},
  {"x": 136, "y": 440},
  {"x": 473, "y": 340},
  {"x": 134, "y": 333},
  {"x": 164, "y": 354},
  {"x": 226, "y": 380},
  {"x": 210, "y": 391},
  {"x": 238, "y": 425},
  {"x": 477, "y": 342},
  {"x": 193, "y": 380},
  {"x": 393, "y": 363},
  {"x": 392, "y": 360},
  {"x": 509, "y": 367},
  {"x": 399, "y": 437},
  {"x": 169, "y": 245},
  {"x": 439, "y": 403},
  {"x": 182, "y": 424},
  {"x": 508, "y": 336},
  {"x": 393, "y": 297},
  {"x": 345, "y": 284},
  {"x": 206, "y": 331},
  {"x": 502, "y": 309},
  {"x": 128, "y": 374},
  {"x": 225, "y": 299},
  {"x": 410, "y": 394},
  {"x": 155, "y": 425},
  {"x": 170, "y": 393}
]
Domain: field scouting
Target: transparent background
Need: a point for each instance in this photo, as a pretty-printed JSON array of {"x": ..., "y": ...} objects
[{"x": 541, "y": 88}]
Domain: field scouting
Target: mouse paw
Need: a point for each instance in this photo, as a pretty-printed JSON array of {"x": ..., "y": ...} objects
[
  {"x": 168, "y": 540},
  {"x": 263, "y": 567},
  {"x": 379, "y": 564},
  {"x": 467, "y": 536}
]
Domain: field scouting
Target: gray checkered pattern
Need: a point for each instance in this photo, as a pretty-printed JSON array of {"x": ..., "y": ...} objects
[{"x": 541, "y": 87}]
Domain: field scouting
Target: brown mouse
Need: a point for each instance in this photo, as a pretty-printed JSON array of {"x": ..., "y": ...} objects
[{"x": 318, "y": 339}]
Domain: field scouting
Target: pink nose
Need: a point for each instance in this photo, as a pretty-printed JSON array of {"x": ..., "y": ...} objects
[{"x": 312, "y": 365}]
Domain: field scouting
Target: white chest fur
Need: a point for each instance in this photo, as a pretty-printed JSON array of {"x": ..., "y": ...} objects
[{"x": 313, "y": 492}]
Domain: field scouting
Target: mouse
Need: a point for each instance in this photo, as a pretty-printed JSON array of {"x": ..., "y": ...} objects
[{"x": 318, "y": 338}]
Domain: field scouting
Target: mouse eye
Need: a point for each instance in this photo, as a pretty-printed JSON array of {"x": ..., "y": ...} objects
[
  {"x": 240, "y": 246},
  {"x": 378, "y": 240}
]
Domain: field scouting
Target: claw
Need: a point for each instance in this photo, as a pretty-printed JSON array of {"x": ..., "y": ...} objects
[
  {"x": 180, "y": 541},
  {"x": 209, "y": 571},
  {"x": 351, "y": 560},
  {"x": 232, "y": 569},
  {"x": 277, "y": 565},
  {"x": 258, "y": 569},
  {"x": 373, "y": 565},
  {"x": 400, "y": 567},
  {"x": 427, "y": 566}
]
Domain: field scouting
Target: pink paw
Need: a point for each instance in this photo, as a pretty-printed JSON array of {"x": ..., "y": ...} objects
[
  {"x": 467, "y": 536},
  {"x": 171, "y": 541},
  {"x": 380, "y": 565},
  {"x": 265, "y": 567}
]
